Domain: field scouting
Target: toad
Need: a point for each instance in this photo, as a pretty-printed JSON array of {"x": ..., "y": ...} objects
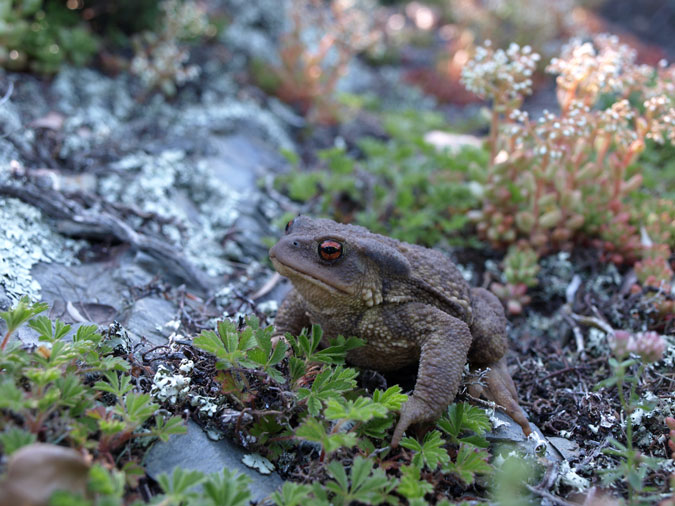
[{"x": 409, "y": 304}]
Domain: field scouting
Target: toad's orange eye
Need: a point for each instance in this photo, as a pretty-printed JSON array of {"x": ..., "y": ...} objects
[
  {"x": 330, "y": 250},
  {"x": 288, "y": 225}
]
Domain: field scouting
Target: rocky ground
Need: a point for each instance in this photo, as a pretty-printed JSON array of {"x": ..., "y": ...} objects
[{"x": 156, "y": 215}]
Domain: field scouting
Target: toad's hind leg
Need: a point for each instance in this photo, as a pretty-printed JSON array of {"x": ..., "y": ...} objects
[
  {"x": 487, "y": 350},
  {"x": 488, "y": 329}
]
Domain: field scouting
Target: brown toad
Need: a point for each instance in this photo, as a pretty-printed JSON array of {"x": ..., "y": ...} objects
[{"x": 410, "y": 304}]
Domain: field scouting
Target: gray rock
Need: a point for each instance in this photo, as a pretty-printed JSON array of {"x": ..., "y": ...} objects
[
  {"x": 195, "y": 450},
  {"x": 88, "y": 282},
  {"x": 508, "y": 432},
  {"x": 567, "y": 448},
  {"x": 239, "y": 161},
  {"x": 148, "y": 319}
]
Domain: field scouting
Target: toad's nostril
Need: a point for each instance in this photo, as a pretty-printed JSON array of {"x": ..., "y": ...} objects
[{"x": 296, "y": 243}]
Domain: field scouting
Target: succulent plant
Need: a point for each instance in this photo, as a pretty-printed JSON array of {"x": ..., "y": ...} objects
[{"x": 40, "y": 35}]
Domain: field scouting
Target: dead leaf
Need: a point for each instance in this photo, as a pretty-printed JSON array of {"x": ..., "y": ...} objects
[{"x": 38, "y": 470}]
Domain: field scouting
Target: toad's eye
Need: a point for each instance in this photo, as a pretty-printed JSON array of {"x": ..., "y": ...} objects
[
  {"x": 330, "y": 250},
  {"x": 289, "y": 225}
]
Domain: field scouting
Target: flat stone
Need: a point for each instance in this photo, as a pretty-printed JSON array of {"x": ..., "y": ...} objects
[
  {"x": 148, "y": 319},
  {"x": 195, "y": 451},
  {"x": 508, "y": 432},
  {"x": 88, "y": 282},
  {"x": 240, "y": 160},
  {"x": 568, "y": 449}
]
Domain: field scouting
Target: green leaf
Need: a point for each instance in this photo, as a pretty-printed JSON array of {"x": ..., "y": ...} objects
[
  {"x": 228, "y": 488},
  {"x": 265, "y": 355},
  {"x": 21, "y": 313},
  {"x": 377, "y": 427},
  {"x": 361, "y": 409},
  {"x": 139, "y": 407},
  {"x": 328, "y": 383},
  {"x": 210, "y": 342},
  {"x": 292, "y": 494},
  {"x": 367, "y": 486},
  {"x": 179, "y": 483},
  {"x": 306, "y": 346},
  {"x": 412, "y": 486},
  {"x": 14, "y": 438},
  {"x": 430, "y": 453},
  {"x": 469, "y": 462},
  {"x": 87, "y": 333},
  {"x": 303, "y": 185},
  {"x": 105, "y": 482},
  {"x": 118, "y": 385},
  {"x": 336, "y": 353},
  {"x": 337, "y": 160},
  {"x": 313, "y": 430},
  {"x": 165, "y": 427},
  {"x": 297, "y": 369},
  {"x": 392, "y": 398},
  {"x": 462, "y": 417},
  {"x": 228, "y": 344},
  {"x": 72, "y": 390},
  {"x": 11, "y": 397}
]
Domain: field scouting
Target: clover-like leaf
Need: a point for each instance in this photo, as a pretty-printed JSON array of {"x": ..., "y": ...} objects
[
  {"x": 469, "y": 462},
  {"x": 430, "y": 453}
]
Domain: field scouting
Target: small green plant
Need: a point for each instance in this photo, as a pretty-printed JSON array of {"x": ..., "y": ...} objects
[
  {"x": 521, "y": 265},
  {"x": 325, "y": 407},
  {"x": 633, "y": 465},
  {"x": 74, "y": 389},
  {"x": 161, "y": 55},
  {"x": 403, "y": 187},
  {"x": 41, "y": 35}
]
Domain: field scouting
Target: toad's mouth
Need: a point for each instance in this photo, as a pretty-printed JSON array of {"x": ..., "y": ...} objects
[{"x": 291, "y": 271}]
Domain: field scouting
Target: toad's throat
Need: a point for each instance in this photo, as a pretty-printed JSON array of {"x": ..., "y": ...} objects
[{"x": 292, "y": 271}]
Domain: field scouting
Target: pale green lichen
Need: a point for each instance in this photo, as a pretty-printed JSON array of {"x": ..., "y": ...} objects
[
  {"x": 25, "y": 240},
  {"x": 169, "y": 387},
  {"x": 202, "y": 208}
]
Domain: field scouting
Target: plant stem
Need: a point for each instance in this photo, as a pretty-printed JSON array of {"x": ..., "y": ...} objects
[{"x": 5, "y": 340}]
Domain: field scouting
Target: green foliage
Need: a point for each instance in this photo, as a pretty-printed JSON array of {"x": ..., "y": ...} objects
[
  {"x": 365, "y": 484},
  {"x": 469, "y": 462},
  {"x": 330, "y": 382},
  {"x": 314, "y": 430},
  {"x": 403, "y": 187},
  {"x": 14, "y": 438},
  {"x": 18, "y": 315},
  {"x": 462, "y": 418},
  {"x": 292, "y": 494},
  {"x": 657, "y": 165},
  {"x": 411, "y": 486},
  {"x": 249, "y": 349},
  {"x": 40, "y": 35},
  {"x": 51, "y": 394},
  {"x": 227, "y": 487},
  {"x": 626, "y": 374},
  {"x": 307, "y": 347},
  {"x": 430, "y": 453},
  {"x": 509, "y": 486},
  {"x": 177, "y": 487}
]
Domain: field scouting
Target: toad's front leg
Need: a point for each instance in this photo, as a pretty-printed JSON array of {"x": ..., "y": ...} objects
[{"x": 444, "y": 342}]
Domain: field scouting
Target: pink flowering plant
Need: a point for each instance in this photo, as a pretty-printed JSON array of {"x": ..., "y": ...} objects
[
  {"x": 631, "y": 350},
  {"x": 566, "y": 177}
]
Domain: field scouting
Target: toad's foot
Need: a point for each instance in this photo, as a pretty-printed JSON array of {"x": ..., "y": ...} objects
[
  {"x": 501, "y": 390},
  {"x": 414, "y": 411}
]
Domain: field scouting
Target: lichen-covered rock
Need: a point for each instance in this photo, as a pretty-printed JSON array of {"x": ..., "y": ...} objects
[{"x": 26, "y": 239}]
